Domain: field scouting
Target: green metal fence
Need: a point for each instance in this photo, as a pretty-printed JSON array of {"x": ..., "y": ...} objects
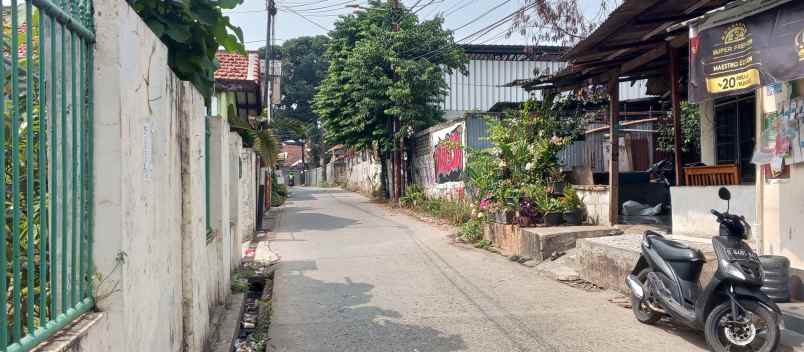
[{"x": 47, "y": 160}]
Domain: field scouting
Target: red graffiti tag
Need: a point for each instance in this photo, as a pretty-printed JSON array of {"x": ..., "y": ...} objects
[{"x": 448, "y": 157}]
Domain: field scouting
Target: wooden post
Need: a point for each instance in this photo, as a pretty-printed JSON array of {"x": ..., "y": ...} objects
[
  {"x": 676, "y": 99},
  {"x": 614, "y": 162}
]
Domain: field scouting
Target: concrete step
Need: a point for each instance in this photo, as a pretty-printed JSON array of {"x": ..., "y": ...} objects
[
  {"x": 606, "y": 261},
  {"x": 540, "y": 243},
  {"x": 545, "y": 241}
]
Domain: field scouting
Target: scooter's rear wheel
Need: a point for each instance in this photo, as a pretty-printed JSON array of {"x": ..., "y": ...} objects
[
  {"x": 756, "y": 329},
  {"x": 642, "y": 310}
]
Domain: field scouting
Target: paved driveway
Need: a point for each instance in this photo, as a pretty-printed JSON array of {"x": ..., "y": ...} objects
[{"x": 355, "y": 276}]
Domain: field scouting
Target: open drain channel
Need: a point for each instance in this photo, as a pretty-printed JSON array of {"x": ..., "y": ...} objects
[{"x": 255, "y": 320}]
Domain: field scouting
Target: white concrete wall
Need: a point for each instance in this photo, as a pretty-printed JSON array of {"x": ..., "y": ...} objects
[
  {"x": 247, "y": 208},
  {"x": 363, "y": 173},
  {"x": 138, "y": 183},
  {"x": 150, "y": 197},
  {"x": 219, "y": 246},
  {"x": 781, "y": 207},
  {"x": 596, "y": 203},
  {"x": 708, "y": 148},
  {"x": 692, "y": 205}
]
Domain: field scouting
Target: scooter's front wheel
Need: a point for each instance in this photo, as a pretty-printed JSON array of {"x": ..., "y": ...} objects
[
  {"x": 756, "y": 329},
  {"x": 642, "y": 310}
]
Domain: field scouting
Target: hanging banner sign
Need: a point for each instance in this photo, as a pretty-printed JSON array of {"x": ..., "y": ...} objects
[{"x": 746, "y": 47}]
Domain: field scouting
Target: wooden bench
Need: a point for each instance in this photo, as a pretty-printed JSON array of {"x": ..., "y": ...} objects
[{"x": 715, "y": 175}]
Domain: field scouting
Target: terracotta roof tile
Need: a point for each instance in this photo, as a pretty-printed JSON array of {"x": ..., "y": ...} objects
[{"x": 236, "y": 67}]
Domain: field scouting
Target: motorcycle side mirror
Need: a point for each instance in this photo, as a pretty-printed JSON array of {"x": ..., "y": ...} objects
[{"x": 724, "y": 193}]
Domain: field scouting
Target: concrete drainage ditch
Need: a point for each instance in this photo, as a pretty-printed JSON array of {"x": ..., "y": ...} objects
[{"x": 255, "y": 320}]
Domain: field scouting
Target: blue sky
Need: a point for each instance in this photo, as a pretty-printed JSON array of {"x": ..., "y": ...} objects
[{"x": 251, "y": 17}]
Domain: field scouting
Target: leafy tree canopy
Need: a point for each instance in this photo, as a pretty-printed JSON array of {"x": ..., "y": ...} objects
[
  {"x": 303, "y": 68},
  {"x": 376, "y": 74}
]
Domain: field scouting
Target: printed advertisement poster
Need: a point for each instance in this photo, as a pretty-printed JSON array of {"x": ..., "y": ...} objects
[{"x": 744, "y": 54}]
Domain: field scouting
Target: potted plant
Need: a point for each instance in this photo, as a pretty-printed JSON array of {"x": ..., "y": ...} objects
[
  {"x": 505, "y": 214},
  {"x": 529, "y": 203},
  {"x": 527, "y": 214},
  {"x": 553, "y": 211},
  {"x": 572, "y": 206}
]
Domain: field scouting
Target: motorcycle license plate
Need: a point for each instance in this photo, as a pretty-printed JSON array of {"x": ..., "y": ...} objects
[{"x": 741, "y": 253}]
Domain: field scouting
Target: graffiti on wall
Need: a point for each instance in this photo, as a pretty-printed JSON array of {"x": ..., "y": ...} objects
[{"x": 448, "y": 156}]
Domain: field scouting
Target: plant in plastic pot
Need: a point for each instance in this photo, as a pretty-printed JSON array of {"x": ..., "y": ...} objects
[
  {"x": 553, "y": 211},
  {"x": 572, "y": 206}
]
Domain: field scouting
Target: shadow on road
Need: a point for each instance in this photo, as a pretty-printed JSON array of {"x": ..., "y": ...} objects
[
  {"x": 298, "y": 219},
  {"x": 693, "y": 336},
  {"x": 352, "y": 323}
]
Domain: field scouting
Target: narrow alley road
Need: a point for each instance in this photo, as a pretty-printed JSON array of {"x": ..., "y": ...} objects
[{"x": 355, "y": 276}]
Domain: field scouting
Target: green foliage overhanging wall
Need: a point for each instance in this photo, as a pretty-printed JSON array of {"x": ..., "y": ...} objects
[{"x": 192, "y": 30}]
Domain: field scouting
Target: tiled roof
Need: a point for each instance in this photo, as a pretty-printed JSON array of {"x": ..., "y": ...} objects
[
  {"x": 294, "y": 154},
  {"x": 236, "y": 67}
]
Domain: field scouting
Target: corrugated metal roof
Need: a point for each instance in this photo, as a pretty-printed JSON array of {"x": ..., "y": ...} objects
[
  {"x": 636, "y": 29},
  {"x": 487, "y": 81}
]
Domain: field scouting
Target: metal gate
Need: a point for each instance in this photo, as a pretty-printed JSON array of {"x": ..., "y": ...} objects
[{"x": 47, "y": 161}]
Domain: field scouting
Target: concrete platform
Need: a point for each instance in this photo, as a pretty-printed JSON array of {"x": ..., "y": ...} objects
[
  {"x": 606, "y": 261},
  {"x": 544, "y": 241},
  {"x": 539, "y": 243}
]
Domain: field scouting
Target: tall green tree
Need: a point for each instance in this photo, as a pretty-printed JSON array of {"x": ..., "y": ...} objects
[
  {"x": 377, "y": 74},
  {"x": 303, "y": 69}
]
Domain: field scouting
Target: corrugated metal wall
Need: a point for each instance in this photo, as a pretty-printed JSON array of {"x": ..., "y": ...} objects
[
  {"x": 592, "y": 150},
  {"x": 477, "y": 133},
  {"x": 481, "y": 88}
]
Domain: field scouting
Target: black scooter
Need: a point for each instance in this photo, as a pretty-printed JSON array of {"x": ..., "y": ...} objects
[{"x": 733, "y": 313}]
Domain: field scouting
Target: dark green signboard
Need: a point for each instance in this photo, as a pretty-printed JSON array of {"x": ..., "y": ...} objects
[{"x": 732, "y": 53}]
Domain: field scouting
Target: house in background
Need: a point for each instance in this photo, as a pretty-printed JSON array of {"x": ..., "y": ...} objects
[
  {"x": 290, "y": 167},
  {"x": 238, "y": 81}
]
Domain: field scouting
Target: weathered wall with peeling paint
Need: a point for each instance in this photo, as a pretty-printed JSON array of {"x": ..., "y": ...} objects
[
  {"x": 150, "y": 197},
  {"x": 363, "y": 173}
]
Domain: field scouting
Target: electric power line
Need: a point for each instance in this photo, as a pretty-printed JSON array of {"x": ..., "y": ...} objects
[
  {"x": 308, "y": 20},
  {"x": 458, "y": 7},
  {"x": 478, "y": 34},
  {"x": 482, "y": 15}
]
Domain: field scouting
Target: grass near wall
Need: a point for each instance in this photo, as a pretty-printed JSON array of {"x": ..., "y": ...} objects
[{"x": 456, "y": 213}]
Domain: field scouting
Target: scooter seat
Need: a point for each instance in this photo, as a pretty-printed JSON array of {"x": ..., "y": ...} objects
[{"x": 674, "y": 251}]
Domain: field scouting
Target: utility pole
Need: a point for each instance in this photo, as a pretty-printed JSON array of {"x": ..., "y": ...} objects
[
  {"x": 396, "y": 126},
  {"x": 270, "y": 6}
]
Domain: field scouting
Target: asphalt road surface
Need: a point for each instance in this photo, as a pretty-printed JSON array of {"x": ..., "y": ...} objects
[{"x": 356, "y": 276}]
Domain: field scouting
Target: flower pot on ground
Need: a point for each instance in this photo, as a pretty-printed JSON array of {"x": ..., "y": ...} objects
[
  {"x": 572, "y": 218},
  {"x": 553, "y": 219}
]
